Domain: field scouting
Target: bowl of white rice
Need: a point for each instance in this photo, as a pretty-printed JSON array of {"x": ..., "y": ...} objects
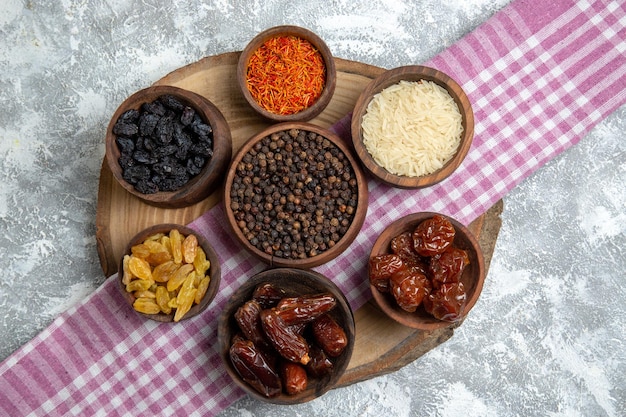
[{"x": 412, "y": 126}]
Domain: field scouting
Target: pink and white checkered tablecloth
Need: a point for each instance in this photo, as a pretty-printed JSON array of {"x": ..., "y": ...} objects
[{"x": 540, "y": 75}]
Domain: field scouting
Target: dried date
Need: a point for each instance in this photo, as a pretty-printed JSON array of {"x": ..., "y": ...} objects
[
  {"x": 268, "y": 295},
  {"x": 248, "y": 318},
  {"x": 293, "y": 377},
  {"x": 289, "y": 344},
  {"x": 329, "y": 335},
  {"x": 254, "y": 368},
  {"x": 303, "y": 309},
  {"x": 319, "y": 365}
]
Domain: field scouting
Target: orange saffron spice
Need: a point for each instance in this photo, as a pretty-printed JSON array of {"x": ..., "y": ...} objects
[{"x": 286, "y": 74}]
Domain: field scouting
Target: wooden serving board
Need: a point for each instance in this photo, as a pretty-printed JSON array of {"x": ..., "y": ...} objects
[{"x": 382, "y": 345}]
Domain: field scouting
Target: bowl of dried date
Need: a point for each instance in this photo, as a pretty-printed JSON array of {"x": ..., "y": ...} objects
[
  {"x": 287, "y": 73},
  {"x": 286, "y": 335},
  {"x": 168, "y": 146},
  {"x": 426, "y": 271},
  {"x": 169, "y": 273},
  {"x": 294, "y": 196}
]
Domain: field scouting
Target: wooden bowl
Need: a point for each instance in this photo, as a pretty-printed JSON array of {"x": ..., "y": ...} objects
[
  {"x": 202, "y": 184},
  {"x": 214, "y": 271},
  {"x": 473, "y": 275},
  {"x": 275, "y": 258},
  {"x": 294, "y": 282},
  {"x": 412, "y": 73},
  {"x": 330, "y": 82}
]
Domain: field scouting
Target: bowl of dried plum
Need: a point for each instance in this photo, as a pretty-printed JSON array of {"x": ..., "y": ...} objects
[
  {"x": 426, "y": 271},
  {"x": 169, "y": 273},
  {"x": 286, "y": 336},
  {"x": 294, "y": 195},
  {"x": 168, "y": 146}
]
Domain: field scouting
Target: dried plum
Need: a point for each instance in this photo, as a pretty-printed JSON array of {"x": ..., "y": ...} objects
[{"x": 162, "y": 145}]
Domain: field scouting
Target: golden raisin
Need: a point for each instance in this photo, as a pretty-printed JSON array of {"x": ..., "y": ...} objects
[
  {"x": 162, "y": 299},
  {"x": 179, "y": 277},
  {"x": 176, "y": 243},
  {"x": 139, "y": 268},
  {"x": 200, "y": 262},
  {"x": 126, "y": 274},
  {"x": 139, "y": 285},
  {"x": 189, "y": 248},
  {"x": 164, "y": 271},
  {"x": 203, "y": 286},
  {"x": 146, "y": 305}
]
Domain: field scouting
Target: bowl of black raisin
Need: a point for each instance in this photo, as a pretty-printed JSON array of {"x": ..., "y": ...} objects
[
  {"x": 295, "y": 196},
  {"x": 168, "y": 146}
]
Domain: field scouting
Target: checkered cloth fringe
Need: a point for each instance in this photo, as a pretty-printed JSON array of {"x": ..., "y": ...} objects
[{"x": 539, "y": 74}]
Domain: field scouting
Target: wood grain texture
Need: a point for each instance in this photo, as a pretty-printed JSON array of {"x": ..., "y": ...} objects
[{"x": 381, "y": 345}]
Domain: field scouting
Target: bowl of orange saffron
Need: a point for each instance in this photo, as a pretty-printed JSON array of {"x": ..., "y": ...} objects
[{"x": 287, "y": 73}]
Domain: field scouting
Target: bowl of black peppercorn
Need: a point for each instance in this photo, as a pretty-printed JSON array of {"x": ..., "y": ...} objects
[
  {"x": 168, "y": 146},
  {"x": 295, "y": 196}
]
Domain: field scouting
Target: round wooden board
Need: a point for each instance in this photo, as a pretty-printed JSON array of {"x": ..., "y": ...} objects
[{"x": 382, "y": 345}]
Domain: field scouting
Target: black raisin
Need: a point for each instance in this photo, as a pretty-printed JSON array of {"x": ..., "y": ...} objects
[
  {"x": 154, "y": 107},
  {"x": 126, "y": 145},
  {"x": 203, "y": 130},
  {"x": 143, "y": 157},
  {"x": 146, "y": 187},
  {"x": 187, "y": 116},
  {"x": 164, "y": 130},
  {"x": 125, "y": 129},
  {"x": 171, "y": 102},
  {"x": 195, "y": 165},
  {"x": 161, "y": 151},
  {"x": 202, "y": 149},
  {"x": 129, "y": 116},
  {"x": 147, "y": 123},
  {"x": 135, "y": 173}
]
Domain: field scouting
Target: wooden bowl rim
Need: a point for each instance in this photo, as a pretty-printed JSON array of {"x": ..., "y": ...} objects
[
  {"x": 420, "y": 319},
  {"x": 313, "y": 279},
  {"x": 215, "y": 271},
  {"x": 412, "y": 73},
  {"x": 200, "y": 186},
  {"x": 357, "y": 220},
  {"x": 331, "y": 72}
]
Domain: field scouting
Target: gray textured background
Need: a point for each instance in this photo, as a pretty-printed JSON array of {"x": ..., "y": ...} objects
[{"x": 547, "y": 336}]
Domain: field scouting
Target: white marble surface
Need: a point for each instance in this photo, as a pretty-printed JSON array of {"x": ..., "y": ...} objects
[{"x": 547, "y": 336}]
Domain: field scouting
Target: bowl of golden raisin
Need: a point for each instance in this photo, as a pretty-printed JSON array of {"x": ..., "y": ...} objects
[
  {"x": 169, "y": 273},
  {"x": 426, "y": 271},
  {"x": 286, "y": 335}
]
